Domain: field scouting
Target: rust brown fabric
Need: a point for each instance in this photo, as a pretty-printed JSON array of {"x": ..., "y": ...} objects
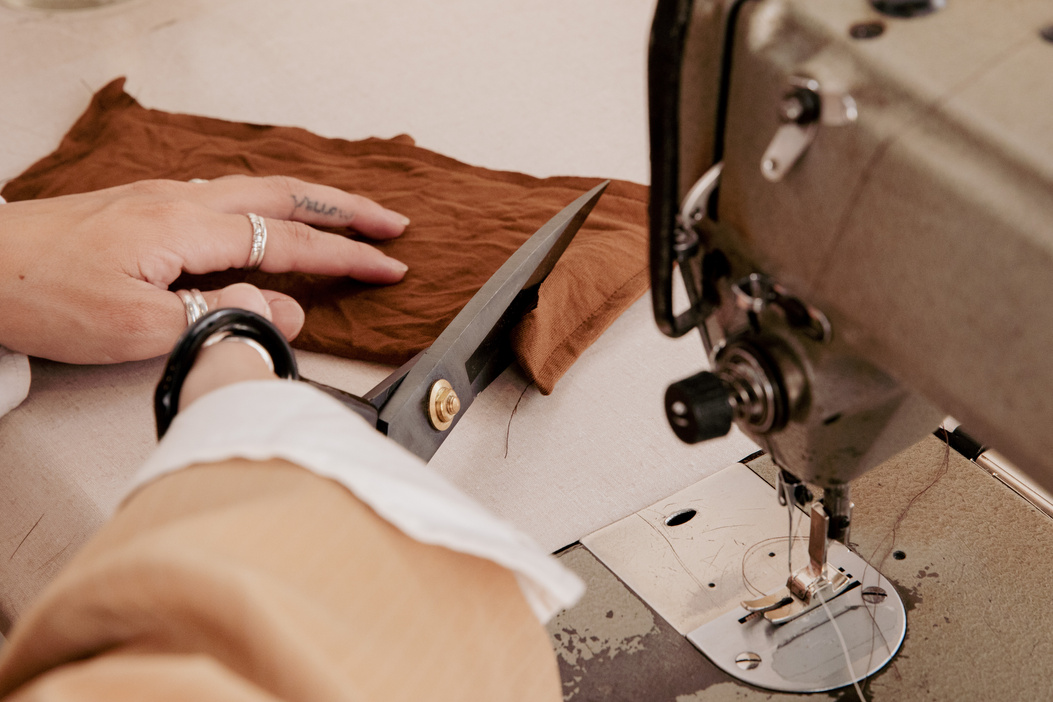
[{"x": 466, "y": 221}]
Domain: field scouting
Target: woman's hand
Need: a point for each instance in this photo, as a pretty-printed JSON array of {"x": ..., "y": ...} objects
[{"x": 84, "y": 278}]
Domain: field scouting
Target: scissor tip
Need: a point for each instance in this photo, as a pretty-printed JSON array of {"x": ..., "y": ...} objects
[{"x": 598, "y": 190}]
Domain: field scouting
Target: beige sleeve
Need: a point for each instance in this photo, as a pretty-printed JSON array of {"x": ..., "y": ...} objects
[{"x": 262, "y": 581}]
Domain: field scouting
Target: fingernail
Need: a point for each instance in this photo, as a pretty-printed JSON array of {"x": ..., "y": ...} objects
[
  {"x": 289, "y": 308},
  {"x": 400, "y": 218},
  {"x": 289, "y": 314},
  {"x": 397, "y": 265}
]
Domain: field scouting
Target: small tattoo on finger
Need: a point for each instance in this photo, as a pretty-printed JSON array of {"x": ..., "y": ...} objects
[{"x": 318, "y": 207}]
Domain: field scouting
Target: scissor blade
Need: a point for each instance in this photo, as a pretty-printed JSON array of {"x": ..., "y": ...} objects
[{"x": 473, "y": 349}]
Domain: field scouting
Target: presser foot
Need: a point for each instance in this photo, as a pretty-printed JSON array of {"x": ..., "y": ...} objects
[
  {"x": 809, "y": 587},
  {"x": 785, "y": 605}
]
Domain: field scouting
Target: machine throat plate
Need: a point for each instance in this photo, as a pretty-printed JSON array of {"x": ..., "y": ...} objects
[{"x": 695, "y": 572}]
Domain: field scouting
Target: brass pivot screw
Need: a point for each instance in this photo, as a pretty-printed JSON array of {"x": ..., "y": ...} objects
[{"x": 443, "y": 405}]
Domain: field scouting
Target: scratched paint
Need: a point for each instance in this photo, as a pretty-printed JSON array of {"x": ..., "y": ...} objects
[
  {"x": 600, "y": 628},
  {"x": 613, "y": 647}
]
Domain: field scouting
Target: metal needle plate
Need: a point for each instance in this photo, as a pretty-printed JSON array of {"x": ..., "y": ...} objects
[
  {"x": 805, "y": 655},
  {"x": 695, "y": 572}
]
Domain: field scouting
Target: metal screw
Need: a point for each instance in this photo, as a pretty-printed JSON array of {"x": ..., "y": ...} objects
[
  {"x": 874, "y": 595},
  {"x": 449, "y": 405},
  {"x": 748, "y": 660},
  {"x": 799, "y": 106},
  {"x": 443, "y": 405},
  {"x": 790, "y": 109}
]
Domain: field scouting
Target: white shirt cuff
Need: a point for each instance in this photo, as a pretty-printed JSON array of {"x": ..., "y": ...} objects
[
  {"x": 14, "y": 379},
  {"x": 14, "y": 376},
  {"x": 297, "y": 423}
]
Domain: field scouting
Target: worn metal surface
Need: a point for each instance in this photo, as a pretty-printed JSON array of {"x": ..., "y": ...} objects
[
  {"x": 695, "y": 571},
  {"x": 807, "y": 654},
  {"x": 969, "y": 557},
  {"x": 883, "y": 224},
  {"x": 612, "y": 646},
  {"x": 692, "y": 575}
]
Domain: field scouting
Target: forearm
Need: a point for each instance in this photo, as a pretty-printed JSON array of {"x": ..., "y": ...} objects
[
  {"x": 344, "y": 579},
  {"x": 288, "y": 583}
]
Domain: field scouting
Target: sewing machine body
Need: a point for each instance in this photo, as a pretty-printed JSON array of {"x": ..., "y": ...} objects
[
  {"x": 858, "y": 199},
  {"x": 919, "y": 225}
]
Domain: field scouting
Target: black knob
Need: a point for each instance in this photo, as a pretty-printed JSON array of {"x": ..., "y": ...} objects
[
  {"x": 907, "y": 8},
  {"x": 698, "y": 408}
]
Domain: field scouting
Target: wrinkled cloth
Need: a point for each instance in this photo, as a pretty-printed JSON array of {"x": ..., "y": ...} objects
[{"x": 466, "y": 221}]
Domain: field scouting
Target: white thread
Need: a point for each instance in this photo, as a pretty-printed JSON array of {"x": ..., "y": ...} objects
[{"x": 844, "y": 647}]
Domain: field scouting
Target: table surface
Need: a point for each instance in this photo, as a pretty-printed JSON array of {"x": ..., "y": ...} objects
[{"x": 544, "y": 87}]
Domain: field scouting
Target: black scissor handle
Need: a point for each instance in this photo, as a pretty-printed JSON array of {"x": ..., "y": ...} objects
[{"x": 239, "y": 323}]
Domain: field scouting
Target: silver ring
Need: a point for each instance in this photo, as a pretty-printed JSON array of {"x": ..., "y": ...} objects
[
  {"x": 194, "y": 303},
  {"x": 259, "y": 242}
]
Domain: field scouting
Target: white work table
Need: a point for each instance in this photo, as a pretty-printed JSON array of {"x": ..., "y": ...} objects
[{"x": 545, "y": 87}]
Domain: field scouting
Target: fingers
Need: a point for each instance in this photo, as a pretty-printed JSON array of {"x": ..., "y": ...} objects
[
  {"x": 93, "y": 269},
  {"x": 286, "y": 313},
  {"x": 288, "y": 207},
  {"x": 227, "y": 240},
  {"x": 282, "y": 310},
  {"x": 284, "y": 198},
  {"x": 227, "y": 363},
  {"x": 240, "y": 295},
  {"x": 293, "y": 246}
]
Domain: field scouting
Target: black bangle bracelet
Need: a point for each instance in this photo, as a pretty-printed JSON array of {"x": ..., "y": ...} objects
[{"x": 238, "y": 323}]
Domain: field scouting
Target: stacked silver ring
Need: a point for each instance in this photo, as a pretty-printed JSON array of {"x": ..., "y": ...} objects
[
  {"x": 195, "y": 304},
  {"x": 259, "y": 242}
]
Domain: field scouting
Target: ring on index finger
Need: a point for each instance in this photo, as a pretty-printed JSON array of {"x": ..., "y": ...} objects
[{"x": 259, "y": 242}]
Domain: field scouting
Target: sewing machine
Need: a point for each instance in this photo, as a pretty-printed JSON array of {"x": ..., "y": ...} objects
[
  {"x": 885, "y": 172},
  {"x": 857, "y": 199}
]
